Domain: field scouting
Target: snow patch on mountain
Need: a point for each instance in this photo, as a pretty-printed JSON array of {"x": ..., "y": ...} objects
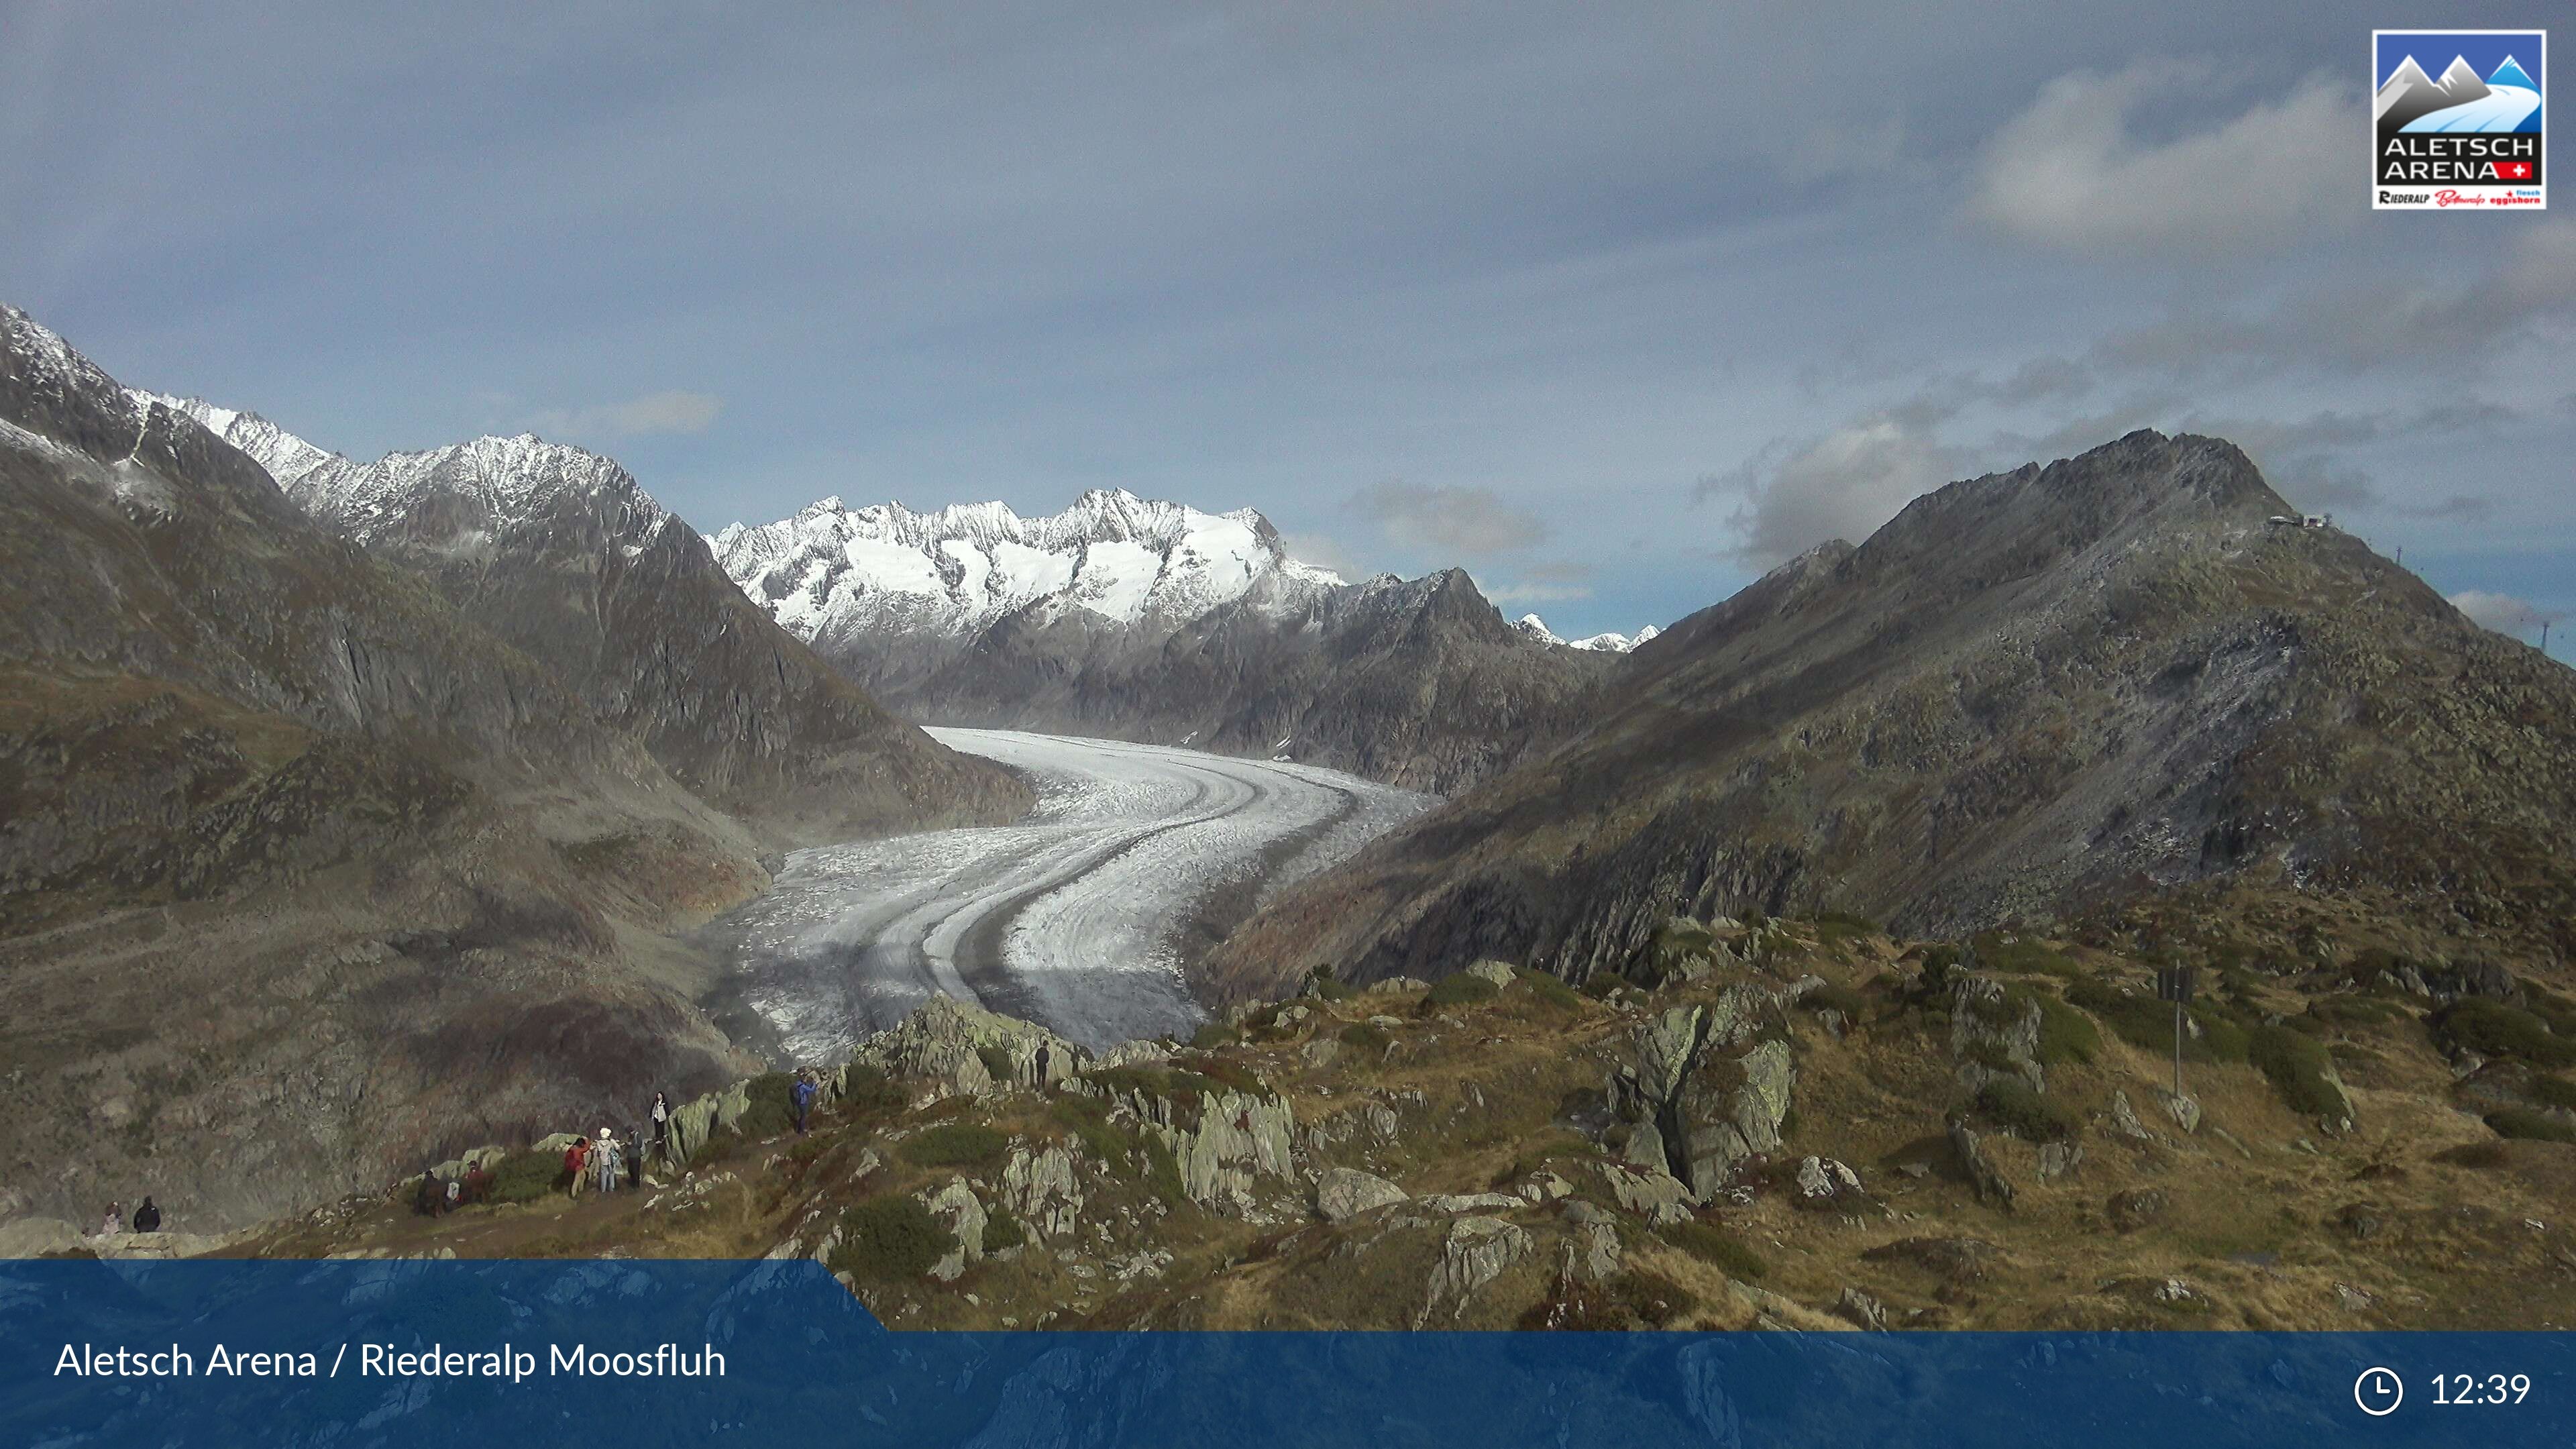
[
  {"x": 834, "y": 572},
  {"x": 1609, "y": 643}
]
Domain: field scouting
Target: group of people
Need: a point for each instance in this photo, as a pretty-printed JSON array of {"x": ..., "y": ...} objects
[
  {"x": 439, "y": 1196},
  {"x": 602, "y": 1161},
  {"x": 146, "y": 1219}
]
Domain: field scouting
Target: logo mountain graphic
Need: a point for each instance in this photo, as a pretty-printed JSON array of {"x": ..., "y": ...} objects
[{"x": 2459, "y": 101}]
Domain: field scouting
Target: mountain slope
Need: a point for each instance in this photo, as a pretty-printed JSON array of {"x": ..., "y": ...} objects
[
  {"x": 1149, "y": 621},
  {"x": 2031, "y": 693},
  {"x": 301, "y": 874},
  {"x": 561, "y": 553}
]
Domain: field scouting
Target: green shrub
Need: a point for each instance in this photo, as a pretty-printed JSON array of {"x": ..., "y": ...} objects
[
  {"x": 1548, "y": 989},
  {"x": 1852, "y": 1004},
  {"x": 2300, "y": 1069},
  {"x": 1459, "y": 990},
  {"x": 1991, "y": 1056},
  {"x": 2491, "y": 1028},
  {"x": 1215, "y": 1034},
  {"x": 2527, "y": 1125},
  {"x": 1716, "y": 1246},
  {"x": 1599, "y": 985},
  {"x": 889, "y": 1239},
  {"x": 1001, "y": 1230},
  {"x": 955, "y": 1144},
  {"x": 867, "y": 1089},
  {"x": 2021, "y": 956},
  {"x": 527, "y": 1176},
  {"x": 770, "y": 1112},
  {"x": 997, "y": 1063},
  {"x": 2144, "y": 1021},
  {"x": 1833, "y": 928},
  {"x": 1359, "y": 1036},
  {"x": 2025, "y": 1113},
  {"x": 1163, "y": 1174},
  {"x": 1088, "y": 1120},
  {"x": 2552, "y": 1092},
  {"x": 2066, "y": 1036}
]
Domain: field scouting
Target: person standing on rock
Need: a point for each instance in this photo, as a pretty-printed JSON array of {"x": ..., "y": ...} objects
[
  {"x": 147, "y": 1218},
  {"x": 661, "y": 1128},
  {"x": 115, "y": 1222},
  {"x": 577, "y": 1163},
  {"x": 1042, "y": 1067},
  {"x": 802, "y": 1097}
]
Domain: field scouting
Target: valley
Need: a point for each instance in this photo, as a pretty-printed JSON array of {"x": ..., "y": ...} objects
[{"x": 1086, "y": 916}]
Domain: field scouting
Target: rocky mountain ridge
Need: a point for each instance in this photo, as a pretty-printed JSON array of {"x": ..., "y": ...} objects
[
  {"x": 2029, "y": 695},
  {"x": 303, "y": 873},
  {"x": 562, "y": 553}
]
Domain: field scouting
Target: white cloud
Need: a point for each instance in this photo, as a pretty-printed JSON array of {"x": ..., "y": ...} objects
[
  {"x": 1526, "y": 592},
  {"x": 2069, "y": 172},
  {"x": 654, "y": 412},
  {"x": 1843, "y": 485},
  {"x": 2503, "y": 612},
  {"x": 1324, "y": 552}
]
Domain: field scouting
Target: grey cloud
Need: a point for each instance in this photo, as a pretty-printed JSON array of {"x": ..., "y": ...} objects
[
  {"x": 1792, "y": 496},
  {"x": 1324, "y": 552},
  {"x": 1447, "y": 521},
  {"x": 1504, "y": 594},
  {"x": 2070, "y": 173}
]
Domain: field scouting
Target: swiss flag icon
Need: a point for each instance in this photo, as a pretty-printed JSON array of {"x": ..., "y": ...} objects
[{"x": 2514, "y": 170}]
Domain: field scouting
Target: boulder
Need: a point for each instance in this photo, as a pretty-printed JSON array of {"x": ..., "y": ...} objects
[
  {"x": 2184, "y": 1109},
  {"x": 2134, "y": 1209},
  {"x": 1474, "y": 1254},
  {"x": 1238, "y": 1139},
  {"x": 2059, "y": 1159},
  {"x": 1993, "y": 1188},
  {"x": 957, "y": 1207},
  {"x": 1344, "y": 1193},
  {"x": 1993, "y": 1036},
  {"x": 35, "y": 1237},
  {"x": 2124, "y": 1119},
  {"x": 1655, "y": 1195},
  {"x": 1472, "y": 1202},
  {"x": 1863, "y": 1310},
  {"x": 1042, "y": 1191},
  {"x": 1500, "y": 973}
]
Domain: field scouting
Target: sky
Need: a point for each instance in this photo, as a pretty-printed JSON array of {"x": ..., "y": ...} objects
[{"x": 1614, "y": 306}]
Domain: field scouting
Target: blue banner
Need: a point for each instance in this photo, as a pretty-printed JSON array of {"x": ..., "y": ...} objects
[{"x": 632, "y": 1354}]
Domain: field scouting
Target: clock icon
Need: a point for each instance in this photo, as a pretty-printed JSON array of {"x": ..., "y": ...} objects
[{"x": 2379, "y": 1391}]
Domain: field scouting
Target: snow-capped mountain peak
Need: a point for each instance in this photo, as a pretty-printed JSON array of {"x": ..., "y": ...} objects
[
  {"x": 1610, "y": 643},
  {"x": 2512, "y": 74},
  {"x": 833, "y": 571},
  {"x": 2461, "y": 81}
]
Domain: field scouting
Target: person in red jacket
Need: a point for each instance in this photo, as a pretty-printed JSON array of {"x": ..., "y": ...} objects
[{"x": 576, "y": 1160}]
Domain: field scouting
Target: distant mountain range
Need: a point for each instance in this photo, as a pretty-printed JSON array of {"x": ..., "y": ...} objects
[
  {"x": 1536, "y": 628},
  {"x": 1153, "y": 621}
]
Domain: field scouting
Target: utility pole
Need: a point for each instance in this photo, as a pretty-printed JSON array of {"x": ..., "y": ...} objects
[{"x": 2174, "y": 984}]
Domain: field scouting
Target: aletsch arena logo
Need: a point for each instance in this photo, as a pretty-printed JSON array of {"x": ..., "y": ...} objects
[{"x": 2465, "y": 135}]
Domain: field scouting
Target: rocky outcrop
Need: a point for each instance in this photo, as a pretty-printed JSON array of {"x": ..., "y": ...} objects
[
  {"x": 1043, "y": 1191},
  {"x": 1994, "y": 1033},
  {"x": 1475, "y": 1253},
  {"x": 1344, "y": 1193},
  {"x": 946, "y": 1043},
  {"x": 962, "y": 1213},
  {"x": 1993, "y": 1188},
  {"x": 1695, "y": 1108},
  {"x": 1237, "y": 1141}
]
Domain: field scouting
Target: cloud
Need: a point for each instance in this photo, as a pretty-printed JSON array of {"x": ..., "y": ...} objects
[
  {"x": 654, "y": 412},
  {"x": 1791, "y": 497},
  {"x": 2376, "y": 324},
  {"x": 1451, "y": 522},
  {"x": 1547, "y": 581},
  {"x": 2503, "y": 612},
  {"x": 2070, "y": 173},
  {"x": 1324, "y": 552}
]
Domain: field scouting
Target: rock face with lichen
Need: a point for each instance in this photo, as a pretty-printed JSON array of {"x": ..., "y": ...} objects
[{"x": 1699, "y": 1106}]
